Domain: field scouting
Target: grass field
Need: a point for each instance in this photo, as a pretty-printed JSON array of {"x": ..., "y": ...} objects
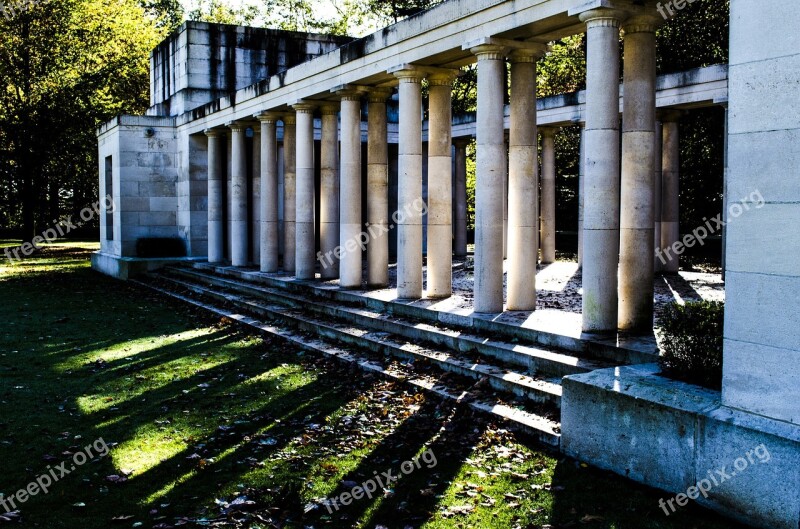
[{"x": 209, "y": 427}]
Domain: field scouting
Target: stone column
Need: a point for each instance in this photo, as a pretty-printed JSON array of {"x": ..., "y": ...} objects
[
  {"x": 329, "y": 192},
  {"x": 548, "y": 195},
  {"x": 670, "y": 191},
  {"x": 725, "y": 192},
  {"x": 638, "y": 171},
  {"x": 289, "y": 191},
  {"x": 505, "y": 199},
  {"x": 409, "y": 185},
  {"x": 305, "y": 193},
  {"x": 657, "y": 150},
  {"x": 216, "y": 207},
  {"x": 460, "y": 199},
  {"x": 491, "y": 174},
  {"x": 440, "y": 190},
  {"x": 581, "y": 191},
  {"x": 523, "y": 182},
  {"x": 255, "y": 219},
  {"x": 350, "y": 227},
  {"x": 378, "y": 190},
  {"x": 601, "y": 207},
  {"x": 269, "y": 192},
  {"x": 238, "y": 195}
]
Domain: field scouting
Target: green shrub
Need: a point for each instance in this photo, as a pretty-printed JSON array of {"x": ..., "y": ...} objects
[{"x": 692, "y": 342}]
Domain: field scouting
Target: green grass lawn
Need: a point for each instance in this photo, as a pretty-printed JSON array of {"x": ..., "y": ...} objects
[{"x": 209, "y": 426}]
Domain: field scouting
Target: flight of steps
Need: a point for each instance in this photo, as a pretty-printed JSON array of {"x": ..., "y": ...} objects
[{"x": 493, "y": 367}]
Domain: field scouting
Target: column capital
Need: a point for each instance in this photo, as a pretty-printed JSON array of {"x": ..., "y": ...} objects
[
  {"x": 442, "y": 78},
  {"x": 329, "y": 108},
  {"x": 489, "y": 52},
  {"x": 529, "y": 54},
  {"x": 549, "y": 131},
  {"x": 267, "y": 116},
  {"x": 349, "y": 92},
  {"x": 669, "y": 115},
  {"x": 379, "y": 95},
  {"x": 407, "y": 74},
  {"x": 304, "y": 107},
  {"x": 603, "y": 17},
  {"x": 214, "y": 133},
  {"x": 236, "y": 126},
  {"x": 642, "y": 24},
  {"x": 289, "y": 118}
]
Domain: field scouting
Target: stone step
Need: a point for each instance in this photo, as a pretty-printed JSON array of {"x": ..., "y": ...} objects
[
  {"x": 538, "y": 425},
  {"x": 538, "y": 391},
  {"x": 534, "y": 360},
  {"x": 599, "y": 348}
]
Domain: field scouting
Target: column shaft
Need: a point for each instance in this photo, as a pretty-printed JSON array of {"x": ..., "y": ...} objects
[
  {"x": 305, "y": 194},
  {"x": 350, "y": 266},
  {"x": 289, "y": 192},
  {"x": 601, "y": 206},
  {"x": 409, "y": 195},
  {"x": 378, "y": 192},
  {"x": 460, "y": 198},
  {"x": 440, "y": 190},
  {"x": 657, "y": 182},
  {"x": 238, "y": 200},
  {"x": 581, "y": 192},
  {"x": 329, "y": 192},
  {"x": 638, "y": 171},
  {"x": 548, "y": 196},
  {"x": 491, "y": 174},
  {"x": 255, "y": 201},
  {"x": 670, "y": 195},
  {"x": 523, "y": 184},
  {"x": 269, "y": 194},
  {"x": 216, "y": 207}
]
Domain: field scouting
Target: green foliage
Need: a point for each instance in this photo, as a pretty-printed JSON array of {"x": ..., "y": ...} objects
[
  {"x": 66, "y": 67},
  {"x": 692, "y": 342},
  {"x": 697, "y": 36}
]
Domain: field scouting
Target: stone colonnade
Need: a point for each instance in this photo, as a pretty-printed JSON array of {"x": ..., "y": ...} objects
[{"x": 622, "y": 218}]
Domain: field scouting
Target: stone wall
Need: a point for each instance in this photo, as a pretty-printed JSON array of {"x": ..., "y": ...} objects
[
  {"x": 201, "y": 62},
  {"x": 762, "y": 345}
]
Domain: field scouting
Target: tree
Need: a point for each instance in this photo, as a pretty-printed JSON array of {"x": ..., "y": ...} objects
[{"x": 65, "y": 67}]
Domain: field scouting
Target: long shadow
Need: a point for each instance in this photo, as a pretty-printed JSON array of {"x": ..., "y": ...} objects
[
  {"x": 445, "y": 430},
  {"x": 282, "y": 419}
]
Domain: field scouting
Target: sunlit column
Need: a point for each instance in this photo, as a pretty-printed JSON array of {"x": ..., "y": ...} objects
[
  {"x": 216, "y": 207},
  {"x": 601, "y": 205},
  {"x": 269, "y": 192},
  {"x": 440, "y": 190},
  {"x": 305, "y": 193},
  {"x": 378, "y": 190},
  {"x": 238, "y": 200},
  {"x": 329, "y": 192},
  {"x": 523, "y": 195}
]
